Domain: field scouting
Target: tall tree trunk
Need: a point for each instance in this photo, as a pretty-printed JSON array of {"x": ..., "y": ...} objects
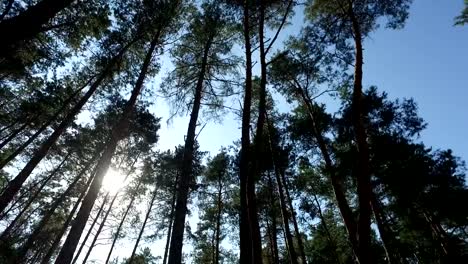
[
  {"x": 293, "y": 216},
  {"x": 245, "y": 234},
  {"x": 119, "y": 228},
  {"x": 284, "y": 210},
  {"x": 103, "y": 221},
  {"x": 171, "y": 221},
  {"x": 29, "y": 24},
  {"x": 57, "y": 202},
  {"x": 83, "y": 243},
  {"x": 175, "y": 251},
  {"x": 363, "y": 171},
  {"x": 338, "y": 189},
  {"x": 119, "y": 131},
  {"x": 15, "y": 185},
  {"x": 44, "y": 126},
  {"x": 285, "y": 216},
  {"x": 274, "y": 232},
  {"x": 153, "y": 198},
  {"x": 385, "y": 234},
  {"x": 13, "y": 135},
  {"x": 56, "y": 242},
  {"x": 7, "y": 231},
  {"x": 218, "y": 219}
]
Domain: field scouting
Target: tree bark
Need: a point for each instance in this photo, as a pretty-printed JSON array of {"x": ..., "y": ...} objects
[
  {"x": 56, "y": 242},
  {"x": 338, "y": 189},
  {"x": 245, "y": 234},
  {"x": 57, "y": 202},
  {"x": 171, "y": 220},
  {"x": 130, "y": 205},
  {"x": 363, "y": 171},
  {"x": 119, "y": 131},
  {"x": 274, "y": 235},
  {"x": 13, "y": 135},
  {"x": 15, "y": 185},
  {"x": 153, "y": 198},
  {"x": 218, "y": 219},
  {"x": 103, "y": 221},
  {"x": 29, "y": 23},
  {"x": 293, "y": 216},
  {"x": 44, "y": 126},
  {"x": 7, "y": 231},
  {"x": 175, "y": 251},
  {"x": 101, "y": 208}
]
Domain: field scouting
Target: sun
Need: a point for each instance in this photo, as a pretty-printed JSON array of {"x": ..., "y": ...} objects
[{"x": 113, "y": 181}]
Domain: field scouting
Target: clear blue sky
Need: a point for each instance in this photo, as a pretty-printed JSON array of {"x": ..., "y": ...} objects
[{"x": 427, "y": 60}]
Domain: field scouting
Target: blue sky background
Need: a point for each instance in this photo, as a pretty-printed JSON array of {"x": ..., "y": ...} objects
[{"x": 427, "y": 61}]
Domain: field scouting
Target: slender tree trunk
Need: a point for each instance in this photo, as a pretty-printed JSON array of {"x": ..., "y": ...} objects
[
  {"x": 293, "y": 216},
  {"x": 119, "y": 228},
  {"x": 44, "y": 126},
  {"x": 57, "y": 202},
  {"x": 15, "y": 185},
  {"x": 245, "y": 234},
  {"x": 363, "y": 171},
  {"x": 218, "y": 219},
  {"x": 385, "y": 234},
  {"x": 255, "y": 170},
  {"x": 7, "y": 231},
  {"x": 284, "y": 211},
  {"x": 175, "y": 251},
  {"x": 171, "y": 220},
  {"x": 285, "y": 217},
  {"x": 274, "y": 233},
  {"x": 56, "y": 242},
  {"x": 13, "y": 135},
  {"x": 153, "y": 198},
  {"x": 103, "y": 222},
  {"x": 338, "y": 189},
  {"x": 330, "y": 238},
  {"x": 83, "y": 243},
  {"x": 119, "y": 131},
  {"x": 16, "y": 121},
  {"x": 29, "y": 23}
]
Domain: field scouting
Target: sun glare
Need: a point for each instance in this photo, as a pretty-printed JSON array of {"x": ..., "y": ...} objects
[{"x": 113, "y": 181}]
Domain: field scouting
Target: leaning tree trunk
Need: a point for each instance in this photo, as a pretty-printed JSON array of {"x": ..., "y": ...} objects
[
  {"x": 103, "y": 221},
  {"x": 175, "y": 251},
  {"x": 293, "y": 216},
  {"x": 218, "y": 219},
  {"x": 119, "y": 228},
  {"x": 338, "y": 189},
  {"x": 98, "y": 214},
  {"x": 58, "y": 238},
  {"x": 363, "y": 171},
  {"x": 284, "y": 212},
  {"x": 274, "y": 232},
  {"x": 118, "y": 132},
  {"x": 44, "y": 126},
  {"x": 171, "y": 221},
  {"x": 153, "y": 199},
  {"x": 57, "y": 202},
  {"x": 15, "y": 185},
  {"x": 28, "y": 24},
  {"x": 7, "y": 231},
  {"x": 245, "y": 234},
  {"x": 13, "y": 135}
]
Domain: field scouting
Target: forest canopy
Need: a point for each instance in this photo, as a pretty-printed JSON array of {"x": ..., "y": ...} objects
[{"x": 324, "y": 168}]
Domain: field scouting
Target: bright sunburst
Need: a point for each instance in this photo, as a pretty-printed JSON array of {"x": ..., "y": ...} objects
[{"x": 113, "y": 181}]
